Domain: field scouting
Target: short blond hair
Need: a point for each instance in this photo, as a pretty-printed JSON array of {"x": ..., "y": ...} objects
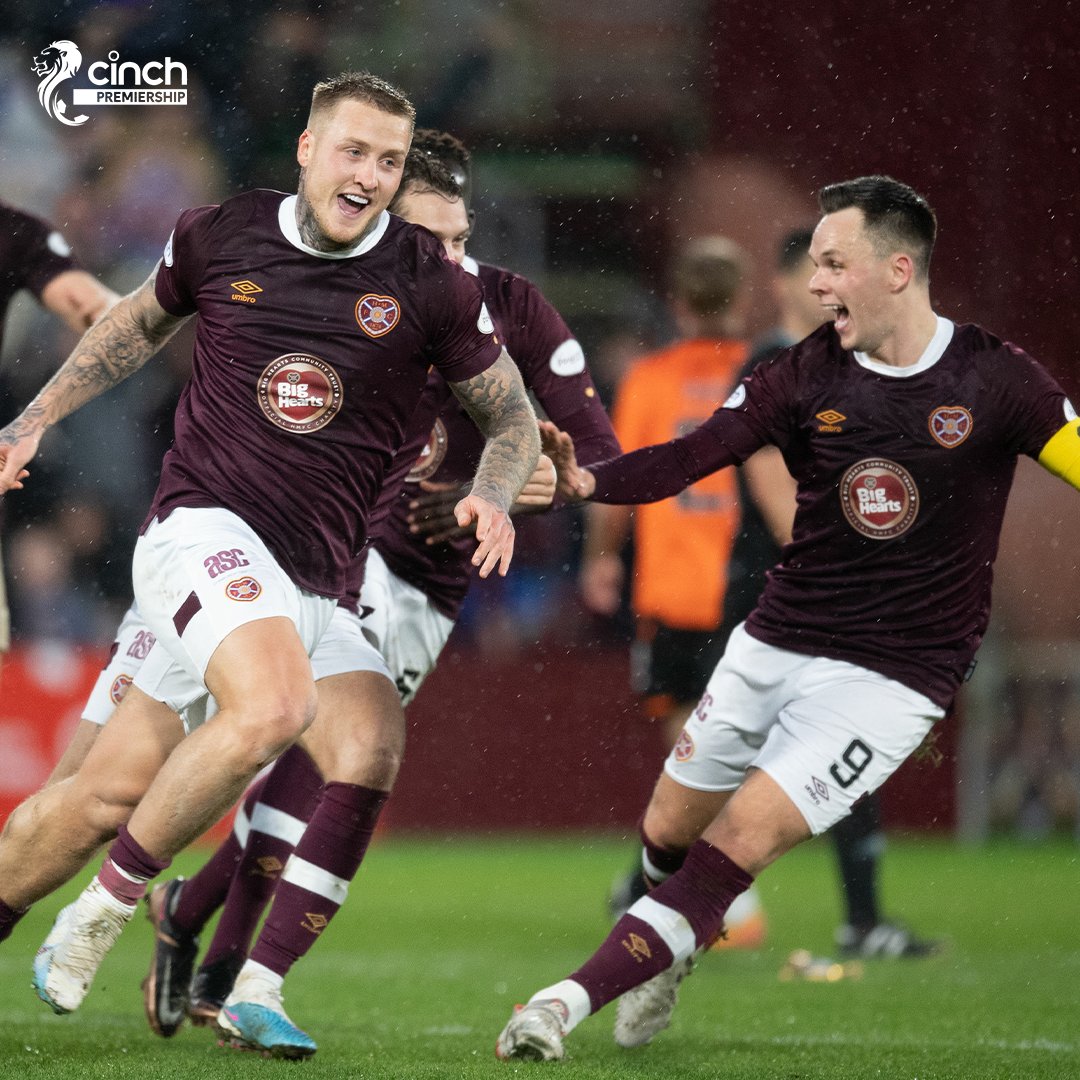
[{"x": 360, "y": 86}]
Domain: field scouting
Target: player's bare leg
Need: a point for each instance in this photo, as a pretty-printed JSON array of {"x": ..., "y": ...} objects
[
  {"x": 84, "y": 737},
  {"x": 50, "y": 836},
  {"x": 649, "y": 951},
  {"x": 261, "y": 677},
  {"x": 357, "y": 742}
]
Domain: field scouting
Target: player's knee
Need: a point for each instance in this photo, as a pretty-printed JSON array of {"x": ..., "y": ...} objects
[
  {"x": 270, "y": 723},
  {"x": 666, "y": 831}
]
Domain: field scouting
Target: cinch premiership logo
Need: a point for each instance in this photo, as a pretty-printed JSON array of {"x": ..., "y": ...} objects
[
  {"x": 115, "y": 83},
  {"x": 879, "y": 498},
  {"x": 300, "y": 393},
  {"x": 431, "y": 457}
]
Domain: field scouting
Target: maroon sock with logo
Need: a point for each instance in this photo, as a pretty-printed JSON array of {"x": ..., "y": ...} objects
[
  {"x": 283, "y": 804},
  {"x": 316, "y": 879},
  {"x": 701, "y": 891}
]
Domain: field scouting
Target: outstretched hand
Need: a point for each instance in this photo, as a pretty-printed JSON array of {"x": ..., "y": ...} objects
[
  {"x": 433, "y": 511},
  {"x": 494, "y": 531},
  {"x": 16, "y": 448},
  {"x": 575, "y": 483}
]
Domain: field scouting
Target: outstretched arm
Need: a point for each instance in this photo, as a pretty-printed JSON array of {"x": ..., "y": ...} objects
[
  {"x": 649, "y": 474},
  {"x": 111, "y": 350},
  {"x": 499, "y": 406},
  {"x": 78, "y": 298}
]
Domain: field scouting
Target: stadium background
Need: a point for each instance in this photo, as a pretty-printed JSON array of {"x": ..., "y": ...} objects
[{"x": 603, "y": 136}]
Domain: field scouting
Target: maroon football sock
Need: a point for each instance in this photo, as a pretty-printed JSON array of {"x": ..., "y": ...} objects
[
  {"x": 291, "y": 789},
  {"x": 128, "y": 867},
  {"x": 316, "y": 880},
  {"x": 701, "y": 891},
  {"x": 9, "y": 916}
]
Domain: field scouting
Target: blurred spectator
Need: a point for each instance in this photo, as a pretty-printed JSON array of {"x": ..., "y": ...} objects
[{"x": 46, "y": 601}]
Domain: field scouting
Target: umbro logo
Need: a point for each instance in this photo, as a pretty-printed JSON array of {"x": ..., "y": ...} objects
[
  {"x": 269, "y": 866},
  {"x": 314, "y": 921},
  {"x": 245, "y": 291},
  {"x": 830, "y": 419},
  {"x": 637, "y": 947}
]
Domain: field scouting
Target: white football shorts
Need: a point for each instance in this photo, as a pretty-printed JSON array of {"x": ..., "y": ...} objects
[
  {"x": 402, "y": 623},
  {"x": 828, "y": 732},
  {"x": 198, "y": 575},
  {"x": 344, "y": 648},
  {"x": 134, "y": 640}
]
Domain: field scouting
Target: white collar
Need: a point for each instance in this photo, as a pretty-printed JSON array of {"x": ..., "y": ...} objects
[
  {"x": 287, "y": 224},
  {"x": 470, "y": 266},
  {"x": 931, "y": 354}
]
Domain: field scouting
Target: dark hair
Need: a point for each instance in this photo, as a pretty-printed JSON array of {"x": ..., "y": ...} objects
[
  {"x": 422, "y": 174},
  {"x": 897, "y": 217},
  {"x": 707, "y": 274},
  {"x": 451, "y": 151},
  {"x": 361, "y": 86},
  {"x": 792, "y": 249}
]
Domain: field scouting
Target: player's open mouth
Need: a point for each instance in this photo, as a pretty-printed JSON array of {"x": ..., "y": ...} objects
[
  {"x": 840, "y": 314},
  {"x": 352, "y": 205}
]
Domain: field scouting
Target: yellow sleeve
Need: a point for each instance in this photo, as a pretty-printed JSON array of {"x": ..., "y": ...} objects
[{"x": 1061, "y": 455}]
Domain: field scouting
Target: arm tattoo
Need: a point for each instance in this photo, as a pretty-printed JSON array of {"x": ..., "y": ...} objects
[
  {"x": 499, "y": 406},
  {"x": 116, "y": 346}
]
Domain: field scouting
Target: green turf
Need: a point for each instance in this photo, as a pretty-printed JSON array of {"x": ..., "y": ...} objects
[{"x": 443, "y": 936}]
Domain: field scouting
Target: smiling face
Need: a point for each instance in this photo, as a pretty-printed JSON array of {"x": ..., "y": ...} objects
[
  {"x": 446, "y": 218},
  {"x": 853, "y": 282},
  {"x": 351, "y": 157}
]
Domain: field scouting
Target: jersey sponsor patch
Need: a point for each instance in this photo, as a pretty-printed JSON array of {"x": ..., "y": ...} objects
[
  {"x": 484, "y": 323},
  {"x": 1070, "y": 412},
  {"x": 568, "y": 358},
  {"x": 300, "y": 393},
  {"x": 431, "y": 457},
  {"x": 879, "y": 498},
  {"x": 167, "y": 255},
  {"x": 377, "y": 315},
  {"x": 119, "y": 688},
  {"x": 950, "y": 425},
  {"x": 244, "y": 589}
]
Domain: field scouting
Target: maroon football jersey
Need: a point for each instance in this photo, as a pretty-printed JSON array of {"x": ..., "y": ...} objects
[
  {"x": 32, "y": 253},
  {"x": 306, "y": 371},
  {"x": 903, "y": 475},
  {"x": 448, "y": 450}
]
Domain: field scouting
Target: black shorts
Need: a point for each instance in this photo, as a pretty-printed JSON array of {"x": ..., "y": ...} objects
[{"x": 674, "y": 666}]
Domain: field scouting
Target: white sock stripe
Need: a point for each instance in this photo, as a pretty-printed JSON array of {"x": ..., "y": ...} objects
[
  {"x": 676, "y": 933},
  {"x": 134, "y": 878},
  {"x": 277, "y": 823},
  {"x": 573, "y": 995},
  {"x": 315, "y": 879},
  {"x": 241, "y": 826},
  {"x": 651, "y": 871}
]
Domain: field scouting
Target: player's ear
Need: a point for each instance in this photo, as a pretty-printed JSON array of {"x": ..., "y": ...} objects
[
  {"x": 303, "y": 148},
  {"x": 902, "y": 270}
]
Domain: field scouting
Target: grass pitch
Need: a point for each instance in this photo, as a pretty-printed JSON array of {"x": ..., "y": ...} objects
[{"x": 442, "y": 936}]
